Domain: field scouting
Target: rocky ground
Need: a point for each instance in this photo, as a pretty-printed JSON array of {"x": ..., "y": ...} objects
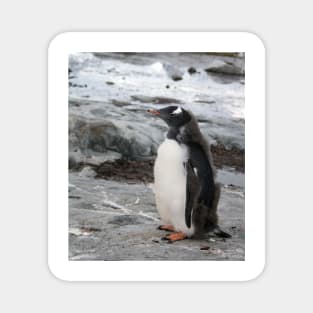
[
  {"x": 112, "y": 214},
  {"x": 110, "y": 220},
  {"x": 113, "y": 144}
]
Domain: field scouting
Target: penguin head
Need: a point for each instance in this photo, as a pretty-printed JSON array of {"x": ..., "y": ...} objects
[{"x": 173, "y": 116}]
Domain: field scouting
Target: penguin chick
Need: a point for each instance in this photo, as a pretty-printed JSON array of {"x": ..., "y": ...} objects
[{"x": 184, "y": 178}]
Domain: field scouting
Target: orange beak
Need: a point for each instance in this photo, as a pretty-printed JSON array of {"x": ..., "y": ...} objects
[{"x": 154, "y": 112}]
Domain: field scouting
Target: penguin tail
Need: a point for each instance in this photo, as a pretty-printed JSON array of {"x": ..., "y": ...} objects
[{"x": 220, "y": 233}]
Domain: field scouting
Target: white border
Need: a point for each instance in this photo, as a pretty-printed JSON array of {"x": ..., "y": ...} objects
[{"x": 254, "y": 263}]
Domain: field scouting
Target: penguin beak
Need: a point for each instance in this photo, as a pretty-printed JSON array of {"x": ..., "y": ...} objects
[{"x": 154, "y": 112}]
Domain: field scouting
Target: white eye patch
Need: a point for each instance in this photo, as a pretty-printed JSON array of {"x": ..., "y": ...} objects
[{"x": 177, "y": 111}]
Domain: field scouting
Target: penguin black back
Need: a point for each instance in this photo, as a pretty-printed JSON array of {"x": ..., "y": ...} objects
[{"x": 204, "y": 171}]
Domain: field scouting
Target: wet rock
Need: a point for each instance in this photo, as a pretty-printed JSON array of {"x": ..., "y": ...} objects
[
  {"x": 155, "y": 100},
  {"x": 226, "y": 67}
]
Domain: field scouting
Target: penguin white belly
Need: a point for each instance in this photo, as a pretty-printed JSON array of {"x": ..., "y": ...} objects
[{"x": 170, "y": 184}]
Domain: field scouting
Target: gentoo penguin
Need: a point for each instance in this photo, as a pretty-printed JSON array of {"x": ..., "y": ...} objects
[{"x": 184, "y": 178}]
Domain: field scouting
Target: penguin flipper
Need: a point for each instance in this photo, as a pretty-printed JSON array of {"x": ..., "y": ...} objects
[{"x": 192, "y": 192}]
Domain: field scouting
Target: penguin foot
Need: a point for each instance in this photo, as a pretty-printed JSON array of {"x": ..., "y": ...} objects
[
  {"x": 220, "y": 233},
  {"x": 175, "y": 237},
  {"x": 167, "y": 227}
]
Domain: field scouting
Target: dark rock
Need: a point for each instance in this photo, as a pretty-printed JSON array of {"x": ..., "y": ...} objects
[
  {"x": 207, "y": 102},
  {"x": 77, "y": 85},
  {"x": 176, "y": 78},
  {"x": 226, "y": 54},
  {"x": 109, "y": 83},
  {"x": 223, "y": 67},
  {"x": 205, "y": 248},
  {"x": 192, "y": 70},
  {"x": 72, "y": 163},
  {"x": 156, "y": 100},
  {"x": 74, "y": 197},
  {"x": 90, "y": 229}
]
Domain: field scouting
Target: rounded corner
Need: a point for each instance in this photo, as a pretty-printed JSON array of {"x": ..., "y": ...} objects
[
  {"x": 54, "y": 273},
  {"x": 255, "y": 38},
  {"x": 57, "y": 39},
  {"x": 258, "y": 272}
]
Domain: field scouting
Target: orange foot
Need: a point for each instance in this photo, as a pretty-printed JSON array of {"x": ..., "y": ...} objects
[
  {"x": 175, "y": 237},
  {"x": 167, "y": 227}
]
